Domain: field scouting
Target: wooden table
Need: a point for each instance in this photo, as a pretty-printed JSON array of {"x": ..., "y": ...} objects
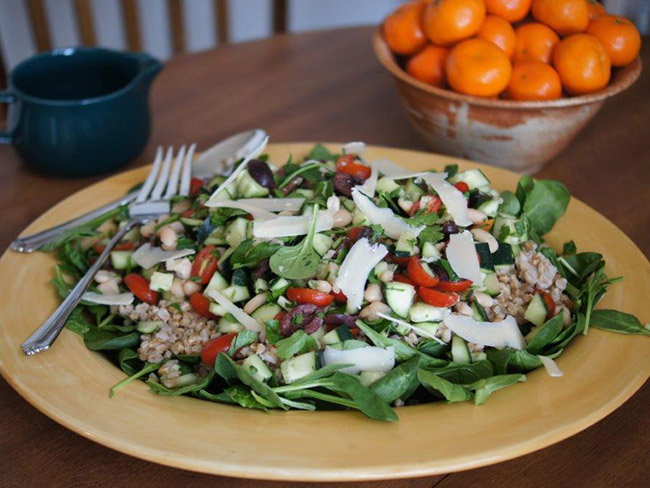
[{"x": 328, "y": 86}]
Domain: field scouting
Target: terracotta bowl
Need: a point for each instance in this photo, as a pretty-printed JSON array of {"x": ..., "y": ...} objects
[{"x": 520, "y": 136}]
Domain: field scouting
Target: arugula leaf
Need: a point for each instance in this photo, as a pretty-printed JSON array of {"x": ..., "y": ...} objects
[
  {"x": 544, "y": 204},
  {"x": 485, "y": 387},
  {"x": 300, "y": 261},
  {"x": 321, "y": 153},
  {"x": 400, "y": 382},
  {"x": 247, "y": 256},
  {"x": 310, "y": 172},
  {"x": 440, "y": 386},
  {"x": 297, "y": 343},
  {"x": 510, "y": 204},
  {"x": 243, "y": 339},
  {"x": 273, "y": 331},
  {"x": 546, "y": 334},
  {"x": 403, "y": 352},
  {"x": 615, "y": 321},
  {"x": 102, "y": 340},
  {"x": 323, "y": 191},
  {"x": 365, "y": 399},
  {"x": 73, "y": 256}
]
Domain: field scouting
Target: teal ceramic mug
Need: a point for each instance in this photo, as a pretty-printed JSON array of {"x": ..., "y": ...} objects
[{"x": 79, "y": 111}]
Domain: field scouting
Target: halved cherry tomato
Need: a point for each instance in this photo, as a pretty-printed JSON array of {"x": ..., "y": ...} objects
[
  {"x": 403, "y": 262},
  {"x": 437, "y": 298},
  {"x": 216, "y": 346},
  {"x": 433, "y": 205},
  {"x": 354, "y": 234},
  {"x": 188, "y": 213},
  {"x": 122, "y": 246},
  {"x": 195, "y": 186},
  {"x": 340, "y": 297},
  {"x": 201, "y": 305},
  {"x": 548, "y": 301},
  {"x": 462, "y": 187},
  {"x": 346, "y": 164},
  {"x": 140, "y": 288},
  {"x": 205, "y": 264},
  {"x": 307, "y": 295},
  {"x": 399, "y": 277},
  {"x": 420, "y": 274},
  {"x": 459, "y": 285}
]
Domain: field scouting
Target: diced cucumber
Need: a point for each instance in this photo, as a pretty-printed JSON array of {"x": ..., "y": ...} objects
[
  {"x": 122, "y": 259},
  {"x": 240, "y": 277},
  {"x": 459, "y": 350},
  {"x": 236, "y": 293},
  {"x": 423, "y": 312},
  {"x": 216, "y": 238},
  {"x": 399, "y": 297},
  {"x": 413, "y": 190},
  {"x": 478, "y": 356},
  {"x": 284, "y": 302},
  {"x": 161, "y": 281},
  {"x": 510, "y": 230},
  {"x": 430, "y": 328},
  {"x": 490, "y": 208},
  {"x": 405, "y": 245},
  {"x": 536, "y": 311},
  {"x": 387, "y": 185},
  {"x": 484, "y": 257},
  {"x": 491, "y": 285},
  {"x": 226, "y": 326},
  {"x": 217, "y": 283},
  {"x": 430, "y": 252},
  {"x": 256, "y": 367},
  {"x": 217, "y": 180},
  {"x": 228, "y": 193},
  {"x": 260, "y": 285},
  {"x": 304, "y": 192},
  {"x": 186, "y": 380},
  {"x": 148, "y": 273},
  {"x": 266, "y": 312},
  {"x": 358, "y": 218},
  {"x": 340, "y": 334},
  {"x": 349, "y": 344},
  {"x": 190, "y": 222},
  {"x": 322, "y": 243},
  {"x": 298, "y": 367},
  {"x": 479, "y": 312},
  {"x": 318, "y": 335},
  {"x": 279, "y": 286},
  {"x": 400, "y": 329},
  {"x": 218, "y": 310},
  {"x": 247, "y": 187},
  {"x": 148, "y": 326},
  {"x": 367, "y": 378},
  {"x": 473, "y": 177},
  {"x": 237, "y": 231},
  {"x": 503, "y": 258}
]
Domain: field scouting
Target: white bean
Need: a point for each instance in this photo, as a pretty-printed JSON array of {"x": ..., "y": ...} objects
[
  {"x": 169, "y": 238},
  {"x": 482, "y": 235},
  {"x": 342, "y": 218},
  {"x": 370, "y": 312},
  {"x": 177, "y": 288},
  {"x": 147, "y": 229},
  {"x": 483, "y": 299},
  {"x": 464, "y": 309},
  {"x": 476, "y": 216},
  {"x": 190, "y": 287},
  {"x": 109, "y": 287},
  {"x": 102, "y": 276},
  {"x": 373, "y": 293},
  {"x": 178, "y": 227},
  {"x": 254, "y": 303},
  {"x": 323, "y": 286},
  {"x": 405, "y": 204},
  {"x": 386, "y": 276},
  {"x": 381, "y": 267}
]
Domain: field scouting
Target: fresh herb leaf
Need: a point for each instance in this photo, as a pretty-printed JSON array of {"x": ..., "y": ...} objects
[
  {"x": 297, "y": 343},
  {"x": 248, "y": 256},
  {"x": 569, "y": 248},
  {"x": 451, "y": 170},
  {"x": 615, "y": 321},
  {"x": 432, "y": 234},
  {"x": 299, "y": 261},
  {"x": 273, "y": 331},
  {"x": 244, "y": 338}
]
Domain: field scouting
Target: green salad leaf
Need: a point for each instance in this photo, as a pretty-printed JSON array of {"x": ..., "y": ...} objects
[
  {"x": 615, "y": 321},
  {"x": 297, "y": 343},
  {"x": 299, "y": 261}
]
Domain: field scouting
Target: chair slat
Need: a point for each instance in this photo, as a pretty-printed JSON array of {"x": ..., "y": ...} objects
[
  {"x": 85, "y": 22},
  {"x": 39, "y": 25},
  {"x": 223, "y": 31},
  {"x": 279, "y": 16},
  {"x": 176, "y": 24},
  {"x": 131, "y": 25}
]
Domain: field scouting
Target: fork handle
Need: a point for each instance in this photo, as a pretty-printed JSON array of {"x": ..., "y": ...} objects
[{"x": 47, "y": 333}]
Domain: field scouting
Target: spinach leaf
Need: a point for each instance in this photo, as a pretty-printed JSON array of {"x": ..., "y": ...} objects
[
  {"x": 224, "y": 368},
  {"x": 243, "y": 338},
  {"x": 298, "y": 405},
  {"x": 582, "y": 265},
  {"x": 297, "y": 343},
  {"x": 243, "y": 397},
  {"x": 101, "y": 340},
  {"x": 273, "y": 331},
  {"x": 129, "y": 361},
  {"x": 400, "y": 382},
  {"x": 464, "y": 373},
  {"x": 500, "y": 359},
  {"x": 300, "y": 261},
  {"x": 218, "y": 397},
  {"x": 247, "y": 256},
  {"x": 260, "y": 388},
  {"x": 320, "y": 377},
  {"x": 439, "y": 386},
  {"x": 193, "y": 388},
  {"x": 510, "y": 204},
  {"x": 546, "y": 334},
  {"x": 432, "y": 348},
  {"x": 569, "y": 248},
  {"x": 365, "y": 399},
  {"x": 485, "y": 387},
  {"x": 189, "y": 358},
  {"x": 451, "y": 170},
  {"x": 60, "y": 283},
  {"x": 323, "y": 397},
  {"x": 321, "y": 153},
  {"x": 402, "y": 351},
  {"x": 524, "y": 186},
  {"x": 148, "y": 368},
  {"x": 567, "y": 335},
  {"x": 544, "y": 204},
  {"x": 615, "y": 321},
  {"x": 524, "y": 361},
  {"x": 77, "y": 323}
]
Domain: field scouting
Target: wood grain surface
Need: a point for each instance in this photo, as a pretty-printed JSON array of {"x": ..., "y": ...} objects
[{"x": 328, "y": 86}]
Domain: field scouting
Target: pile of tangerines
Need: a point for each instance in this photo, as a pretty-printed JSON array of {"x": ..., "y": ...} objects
[{"x": 515, "y": 49}]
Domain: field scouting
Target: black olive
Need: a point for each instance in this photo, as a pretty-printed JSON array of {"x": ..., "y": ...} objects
[
  {"x": 343, "y": 183},
  {"x": 261, "y": 173},
  {"x": 449, "y": 228},
  {"x": 440, "y": 272}
]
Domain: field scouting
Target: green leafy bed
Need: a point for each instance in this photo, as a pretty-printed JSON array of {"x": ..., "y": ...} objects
[{"x": 423, "y": 373}]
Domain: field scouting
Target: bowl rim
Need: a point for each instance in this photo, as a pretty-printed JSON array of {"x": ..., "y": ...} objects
[{"x": 621, "y": 79}]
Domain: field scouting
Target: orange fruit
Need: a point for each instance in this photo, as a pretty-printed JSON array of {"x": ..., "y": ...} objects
[
  {"x": 534, "y": 80},
  {"x": 499, "y": 32},
  {"x": 535, "y": 42},
  {"x": 620, "y": 37},
  {"x": 477, "y": 67},
  {"x": 403, "y": 29},
  {"x": 448, "y": 21},
  {"x": 428, "y": 65},
  {"x": 583, "y": 64},
  {"x": 596, "y": 9},
  {"x": 563, "y": 16},
  {"x": 511, "y": 10}
]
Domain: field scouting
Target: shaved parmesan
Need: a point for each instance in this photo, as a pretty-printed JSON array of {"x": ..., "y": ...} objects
[
  {"x": 275, "y": 204},
  {"x": 252, "y": 155},
  {"x": 242, "y": 317},
  {"x": 462, "y": 257},
  {"x": 391, "y": 170},
  {"x": 454, "y": 201},
  {"x": 370, "y": 185},
  {"x": 258, "y": 213},
  {"x": 361, "y": 359},
  {"x": 355, "y": 269},
  {"x": 292, "y": 225},
  {"x": 414, "y": 328},
  {"x": 393, "y": 226},
  {"x": 101, "y": 299},
  {"x": 493, "y": 334},
  {"x": 354, "y": 148},
  {"x": 550, "y": 367},
  {"x": 147, "y": 255}
]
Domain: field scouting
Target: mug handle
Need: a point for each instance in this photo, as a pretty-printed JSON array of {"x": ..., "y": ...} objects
[{"x": 6, "y": 97}]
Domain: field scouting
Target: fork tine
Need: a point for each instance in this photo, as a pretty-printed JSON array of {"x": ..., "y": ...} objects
[
  {"x": 148, "y": 184},
  {"x": 163, "y": 176},
  {"x": 187, "y": 172},
  {"x": 172, "y": 186}
]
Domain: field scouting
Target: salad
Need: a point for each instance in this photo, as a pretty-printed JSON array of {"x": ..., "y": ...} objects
[{"x": 338, "y": 283}]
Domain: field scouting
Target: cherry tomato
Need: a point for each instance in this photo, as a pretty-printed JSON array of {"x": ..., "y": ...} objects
[
  {"x": 548, "y": 301},
  {"x": 403, "y": 262},
  {"x": 340, "y": 297},
  {"x": 459, "y": 285},
  {"x": 346, "y": 164},
  {"x": 195, "y": 186},
  {"x": 205, "y": 264},
  {"x": 433, "y": 205},
  {"x": 462, "y": 187},
  {"x": 437, "y": 298},
  {"x": 201, "y": 305},
  {"x": 307, "y": 295},
  {"x": 421, "y": 273},
  {"x": 354, "y": 234},
  {"x": 140, "y": 288},
  {"x": 122, "y": 246},
  {"x": 188, "y": 213},
  {"x": 400, "y": 278},
  {"x": 216, "y": 346}
]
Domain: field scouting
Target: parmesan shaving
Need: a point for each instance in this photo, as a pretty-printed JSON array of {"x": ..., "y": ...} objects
[
  {"x": 393, "y": 226},
  {"x": 493, "y": 334},
  {"x": 370, "y": 185},
  {"x": 361, "y": 359},
  {"x": 242, "y": 317},
  {"x": 292, "y": 225},
  {"x": 550, "y": 367},
  {"x": 354, "y": 148},
  {"x": 147, "y": 255},
  {"x": 462, "y": 257},
  {"x": 454, "y": 201},
  {"x": 101, "y": 299}
]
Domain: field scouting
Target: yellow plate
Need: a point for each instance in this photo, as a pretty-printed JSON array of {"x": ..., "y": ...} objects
[{"x": 70, "y": 383}]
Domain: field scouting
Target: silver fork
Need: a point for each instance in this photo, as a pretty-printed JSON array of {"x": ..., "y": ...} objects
[{"x": 153, "y": 200}]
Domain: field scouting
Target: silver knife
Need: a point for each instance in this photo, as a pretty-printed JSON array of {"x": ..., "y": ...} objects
[{"x": 218, "y": 159}]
